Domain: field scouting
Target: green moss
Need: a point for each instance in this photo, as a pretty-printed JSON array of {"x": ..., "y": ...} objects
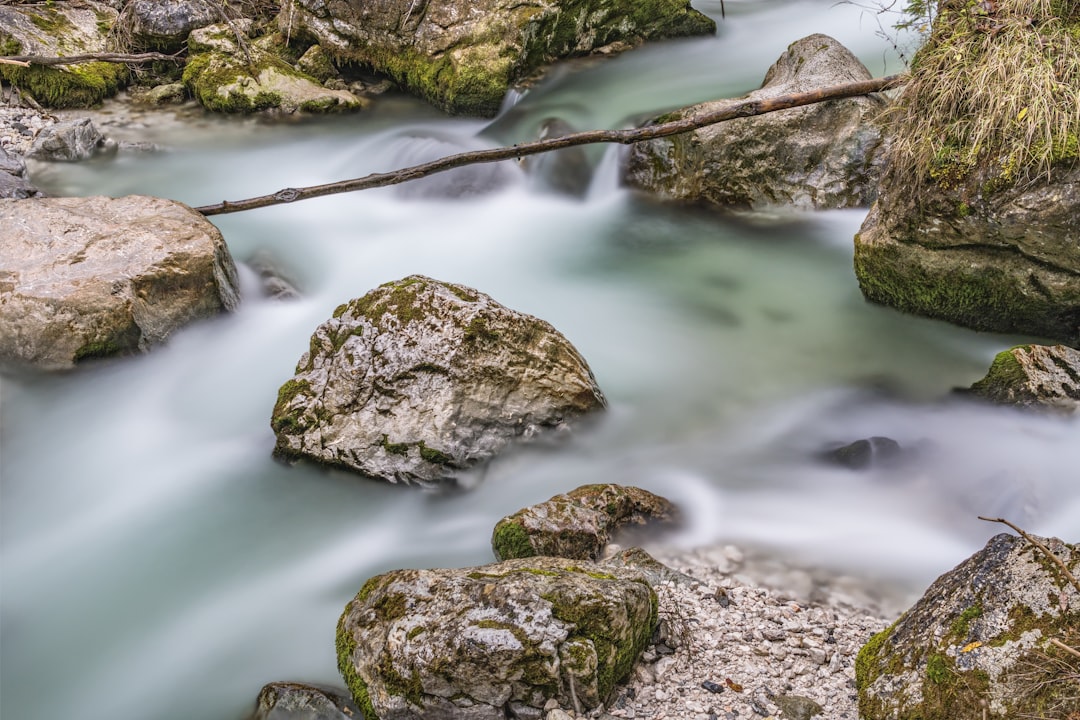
[
  {"x": 283, "y": 419},
  {"x": 82, "y": 85},
  {"x": 434, "y": 456},
  {"x": 511, "y": 540},
  {"x": 962, "y": 625},
  {"x": 1005, "y": 372},
  {"x": 9, "y": 45},
  {"x": 394, "y": 448},
  {"x": 478, "y": 331},
  {"x": 937, "y": 669},
  {"x": 207, "y": 73},
  {"x": 50, "y": 21},
  {"x": 415, "y": 632},
  {"x": 99, "y": 349},
  {"x": 341, "y": 310},
  {"x": 346, "y": 646}
]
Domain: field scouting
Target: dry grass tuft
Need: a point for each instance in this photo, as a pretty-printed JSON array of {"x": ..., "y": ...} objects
[
  {"x": 994, "y": 96},
  {"x": 1053, "y": 676}
]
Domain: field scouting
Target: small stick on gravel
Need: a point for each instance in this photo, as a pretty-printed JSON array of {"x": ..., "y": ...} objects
[{"x": 1057, "y": 561}]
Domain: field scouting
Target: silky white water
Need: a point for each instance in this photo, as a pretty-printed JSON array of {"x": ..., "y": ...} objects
[{"x": 157, "y": 564}]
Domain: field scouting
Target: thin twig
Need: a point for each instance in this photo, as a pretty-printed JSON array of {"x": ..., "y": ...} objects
[
  {"x": 1058, "y": 561},
  {"x": 9, "y": 61},
  {"x": 1063, "y": 646},
  {"x": 91, "y": 57},
  {"x": 729, "y": 111}
]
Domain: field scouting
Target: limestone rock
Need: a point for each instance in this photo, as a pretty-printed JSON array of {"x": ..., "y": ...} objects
[
  {"x": 1034, "y": 376},
  {"x": 819, "y": 156},
  {"x": 90, "y": 277},
  {"x": 164, "y": 25},
  {"x": 419, "y": 379},
  {"x": 13, "y": 180},
  {"x": 220, "y": 78},
  {"x": 977, "y": 645},
  {"x": 69, "y": 140},
  {"x": 298, "y": 701},
  {"x": 463, "y": 55},
  {"x": 60, "y": 29},
  {"x": 579, "y": 524},
  {"x": 488, "y": 643}
]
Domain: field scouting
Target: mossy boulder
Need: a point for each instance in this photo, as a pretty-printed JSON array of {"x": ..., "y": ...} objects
[
  {"x": 462, "y": 56},
  {"x": 493, "y": 642},
  {"x": 83, "y": 278},
  {"x": 220, "y": 77},
  {"x": 982, "y": 641},
  {"x": 821, "y": 156},
  {"x": 420, "y": 379},
  {"x": 56, "y": 30},
  {"x": 300, "y": 701},
  {"x": 579, "y": 524},
  {"x": 165, "y": 26},
  {"x": 978, "y": 216},
  {"x": 1034, "y": 376}
]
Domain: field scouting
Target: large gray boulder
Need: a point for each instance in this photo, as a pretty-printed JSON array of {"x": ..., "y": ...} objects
[
  {"x": 981, "y": 642},
  {"x": 165, "y": 24},
  {"x": 493, "y": 642},
  {"x": 67, "y": 141},
  {"x": 91, "y": 277},
  {"x": 580, "y": 523},
  {"x": 1036, "y": 376},
  {"x": 820, "y": 156},
  {"x": 420, "y": 379},
  {"x": 463, "y": 55}
]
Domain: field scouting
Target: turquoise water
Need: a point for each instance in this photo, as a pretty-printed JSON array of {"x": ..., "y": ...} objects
[{"x": 157, "y": 564}]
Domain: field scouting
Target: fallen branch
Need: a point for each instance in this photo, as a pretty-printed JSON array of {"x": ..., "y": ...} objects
[
  {"x": 731, "y": 110},
  {"x": 90, "y": 57},
  {"x": 1046, "y": 551}
]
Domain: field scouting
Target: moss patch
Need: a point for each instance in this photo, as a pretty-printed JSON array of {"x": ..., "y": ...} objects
[
  {"x": 286, "y": 420},
  {"x": 83, "y": 85},
  {"x": 511, "y": 540}
]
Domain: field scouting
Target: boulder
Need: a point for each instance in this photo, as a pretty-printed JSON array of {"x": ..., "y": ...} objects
[
  {"x": 67, "y": 141},
  {"x": 821, "y": 156},
  {"x": 977, "y": 221},
  {"x": 60, "y": 29},
  {"x": 90, "y": 277},
  {"x": 981, "y": 642},
  {"x": 1034, "y": 376},
  {"x": 298, "y": 701},
  {"x": 164, "y": 25},
  {"x": 579, "y": 524},
  {"x": 463, "y": 56},
  {"x": 420, "y": 379},
  {"x": 13, "y": 180},
  {"x": 493, "y": 642},
  {"x": 221, "y": 79}
]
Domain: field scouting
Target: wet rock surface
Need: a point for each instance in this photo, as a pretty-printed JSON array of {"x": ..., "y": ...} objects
[
  {"x": 67, "y": 141},
  {"x": 299, "y": 701},
  {"x": 1034, "y": 376}
]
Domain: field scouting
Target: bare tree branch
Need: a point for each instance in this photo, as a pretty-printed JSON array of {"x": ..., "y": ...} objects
[
  {"x": 729, "y": 111},
  {"x": 1046, "y": 551},
  {"x": 90, "y": 57}
]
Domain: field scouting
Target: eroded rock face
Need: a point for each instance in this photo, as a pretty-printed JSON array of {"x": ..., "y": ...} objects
[
  {"x": 820, "y": 156},
  {"x": 1034, "y": 376},
  {"x": 299, "y": 701},
  {"x": 463, "y": 56},
  {"x": 92, "y": 277},
  {"x": 492, "y": 642},
  {"x": 579, "y": 524},
  {"x": 420, "y": 379},
  {"x": 978, "y": 641}
]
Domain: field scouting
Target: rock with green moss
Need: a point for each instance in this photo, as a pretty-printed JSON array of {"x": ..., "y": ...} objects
[
  {"x": 463, "y": 55},
  {"x": 982, "y": 641},
  {"x": 978, "y": 216},
  {"x": 579, "y": 524},
  {"x": 493, "y": 642},
  {"x": 60, "y": 29},
  {"x": 300, "y": 701},
  {"x": 83, "y": 278},
  {"x": 1037, "y": 376},
  {"x": 819, "y": 156},
  {"x": 220, "y": 77},
  {"x": 420, "y": 379}
]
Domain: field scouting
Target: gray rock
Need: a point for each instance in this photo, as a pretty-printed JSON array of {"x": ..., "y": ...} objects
[
  {"x": 12, "y": 164},
  {"x": 420, "y": 379},
  {"x": 1034, "y": 376},
  {"x": 90, "y": 277},
  {"x": 579, "y": 524},
  {"x": 67, "y": 141},
  {"x": 797, "y": 707},
  {"x": 12, "y": 186},
  {"x": 473, "y": 643},
  {"x": 977, "y": 645},
  {"x": 820, "y": 156},
  {"x": 869, "y": 452},
  {"x": 298, "y": 701},
  {"x": 170, "y": 94},
  {"x": 165, "y": 24},
  {"x": 463, "y": 55}
]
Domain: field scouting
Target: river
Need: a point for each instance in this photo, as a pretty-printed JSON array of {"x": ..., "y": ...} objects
[{"x": 157, "y": 564}]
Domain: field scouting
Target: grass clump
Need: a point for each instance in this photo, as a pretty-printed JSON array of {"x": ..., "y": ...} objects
[{"x": 994, "y": 96}]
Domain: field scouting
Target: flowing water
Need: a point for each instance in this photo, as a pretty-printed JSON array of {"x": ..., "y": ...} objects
[{"x": 157, "y": 564}]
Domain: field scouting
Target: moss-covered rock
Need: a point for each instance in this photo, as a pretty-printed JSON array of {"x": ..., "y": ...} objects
[
  {"x": 494, "y": 641},
  {"x": 420, "y": 379},
  {"x": 463, "y": 56},
  {"x": 579, "y": 524},
  {"x": 57, "y": 30},
  {"x": 978, "y": 643},
  {"x": 1034, "y": 376},
  {"x": 300, "y": 701}
]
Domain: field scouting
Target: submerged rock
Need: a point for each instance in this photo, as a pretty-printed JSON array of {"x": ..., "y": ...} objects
[
  {"x": 1034, "y": 376},
  {"x": 91, "y": 277},
  {"x": 420, "y": 379},
  {"x": 579, "y": 524},
  {"x": 299, "y": 701},
  {"x": 978, "y": 643},
  {"x": 820, "y": 156},
  {"x": 463, "y": 56},
  {"x": 868, "y": 452},
  {"x": 493, "y": 642}
]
